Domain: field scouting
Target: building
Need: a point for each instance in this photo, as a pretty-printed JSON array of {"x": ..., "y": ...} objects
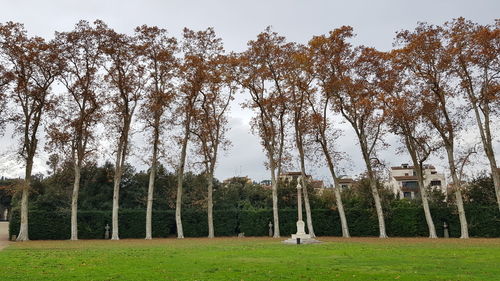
[
  {"x": 291, "y": 176},
  {"x": 346, "y": 183},
  {"x": 404, "y": 183}
]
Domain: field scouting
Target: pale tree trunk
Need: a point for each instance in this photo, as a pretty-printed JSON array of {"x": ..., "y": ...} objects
[
  {"x": 120, "y": 161},
  {"x": 149, "y": 207},
  {"x": 304, "y": 191},
  {"x": 425, "y": 201},
  {"x": 23, "y": 229},
  {"x": 423, "y": 193},
  {"x": 276, "y": 176},
  {"x": 274, "y": 187},
  {"x": 338, "y": 198},
  {"x": 458, "y": 193},
  {"x": 74, "y": 203},
  {"x": 116, "y": 198},
  {"x": 486, "y": 139},
  {"x": 340, "y": 207},
  {"x": 180, "y": 177},
  {"x": 496, "y": 181},
  {"x": 210, "y": 205},
  {"x": 152, "y": 177},
  {"x": 376, "y": 196}
]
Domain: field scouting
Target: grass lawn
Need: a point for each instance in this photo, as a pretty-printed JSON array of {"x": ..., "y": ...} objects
[{"x": 253, "y": 259}]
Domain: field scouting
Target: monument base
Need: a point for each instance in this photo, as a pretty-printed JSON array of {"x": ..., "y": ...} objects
[
  {"x": 302, "y": 236},
  {"x": 308, "y": 240}
]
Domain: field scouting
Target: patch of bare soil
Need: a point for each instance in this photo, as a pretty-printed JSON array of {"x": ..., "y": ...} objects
[{"x": 4, "y": 234}]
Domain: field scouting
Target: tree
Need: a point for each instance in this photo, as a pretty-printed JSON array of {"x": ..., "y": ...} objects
[
  {"x": 299, "y": 87},
  {"x": 403, "y": 112},
  {"x": 79, "y": 109},
  {"x": 353, "y": 78},
  {"x": 424, "y": 55},
  {"x": 261, "y": 72},
  {"x": 322, "y": 49},
  {"x": 125, "y": 77},
  {"x": 475, "y": 60},
  {"x": 198, "y": 49},
  {"x": 32, "y": 64},
  {"x": 157, "y": 50},
  {"x": 359, "y": 103},
  {"x": 210, "y": 121}
]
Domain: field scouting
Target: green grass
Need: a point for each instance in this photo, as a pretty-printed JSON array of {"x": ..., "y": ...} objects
[{"x": 253, "y": 259}]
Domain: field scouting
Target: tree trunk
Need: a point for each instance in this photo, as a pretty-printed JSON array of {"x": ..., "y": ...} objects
[
  {"x": 376, "y": 196},
  {"x": 152, "y": 177},
  {"x": 23, "y": 229},
  {"x": 74, "y": 203},
  {"x": 425, "y": 201},
  {"x": 423, "y": 193},
  {"x": 486, "y": 139},
  {"x": 180, "y": 177},
  {"x": 116, "y": 197},
  {"x": 120, "y": 155},
  {"x": 338, "y": 198},
  {"x": 149, "y": 207},
  {"x": 458, "y": 194},
  {"x": 210, "y": 205},
  {"x": 274, "y": 187},
  {"x": 378, "y": 207},
  {"x": 496, "y": 181}
]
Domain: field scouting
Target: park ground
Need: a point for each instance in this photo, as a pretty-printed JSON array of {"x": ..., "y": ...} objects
[{"x": 252, "y": 259}]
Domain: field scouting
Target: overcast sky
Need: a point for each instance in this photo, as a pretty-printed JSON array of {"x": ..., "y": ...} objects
[{"x": 374, "y": 22}]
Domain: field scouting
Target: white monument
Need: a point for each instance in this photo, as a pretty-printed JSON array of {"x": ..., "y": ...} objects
[{"x": 301, "y": 237}]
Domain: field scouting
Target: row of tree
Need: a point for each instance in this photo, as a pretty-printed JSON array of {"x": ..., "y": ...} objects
[{"x": 181, "y": 90}]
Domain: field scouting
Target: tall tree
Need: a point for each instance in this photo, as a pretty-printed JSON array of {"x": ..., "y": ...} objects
[
  {"x": 32, "y": 64},
  {"x": 428, "y": 62},
  {"x": 404, "y": 117},
  {"x": 321, "y": 50},
  {"x": 352, "y": 78},
  {"x": 211, "y": 124},
  {"x": 261, "y": 72},
  {"x": 125, "y": 77},
  {"x": 299, "y": 86},
  {"x": 79, "y": 111},
  {"x": 198, "y": 49},
  {"x": 475, "y": 55},
  {"x": 157, "y": 50},
  {"x": 359, "y": 103}
]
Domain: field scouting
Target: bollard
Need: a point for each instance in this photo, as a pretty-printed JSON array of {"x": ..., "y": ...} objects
[
  {"x": 106, "y": 232},
  {"x": 446, "y": 234}
]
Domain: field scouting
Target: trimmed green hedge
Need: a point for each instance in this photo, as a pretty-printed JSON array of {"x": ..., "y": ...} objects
[{"x": 400, "y": 222}]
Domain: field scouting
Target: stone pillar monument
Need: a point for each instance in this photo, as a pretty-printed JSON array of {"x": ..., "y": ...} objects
[{"x": 301, "y": 237}]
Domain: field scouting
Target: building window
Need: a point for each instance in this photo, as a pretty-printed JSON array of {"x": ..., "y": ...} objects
[
  {"x": 407, "y": 195},
  {"x": 436, "y": 183},
  {"x": 414, "y": 173},
  {"x": 406, "y": 174},
  {"x": 410, "y": 184},
  {"x": 433, "y": 172}
]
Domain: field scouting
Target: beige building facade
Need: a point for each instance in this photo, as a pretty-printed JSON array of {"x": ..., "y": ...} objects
[{"x": 404, "y": 183}]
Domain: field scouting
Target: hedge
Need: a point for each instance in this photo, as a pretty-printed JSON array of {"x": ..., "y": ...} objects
[{"x": 400, "y": 222}]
